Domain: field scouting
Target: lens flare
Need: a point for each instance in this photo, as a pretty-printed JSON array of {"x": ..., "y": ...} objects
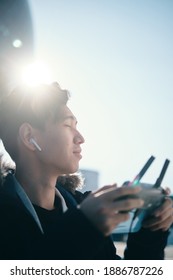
[
  {"x": 36, "y": 73},
  {"x": 17, "y": 43}
]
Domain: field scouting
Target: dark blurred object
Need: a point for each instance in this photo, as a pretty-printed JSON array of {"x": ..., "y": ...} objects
[{"x": 16, "y": 41}]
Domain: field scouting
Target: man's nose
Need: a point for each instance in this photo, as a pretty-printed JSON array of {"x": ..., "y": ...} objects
[{"x": 79, "y": 138}]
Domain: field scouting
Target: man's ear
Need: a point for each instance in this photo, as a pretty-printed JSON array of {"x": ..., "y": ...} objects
[{"x": 25, "y": 134}]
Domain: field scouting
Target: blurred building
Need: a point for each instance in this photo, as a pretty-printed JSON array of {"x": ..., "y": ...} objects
[{"x": 91, "y": 179}]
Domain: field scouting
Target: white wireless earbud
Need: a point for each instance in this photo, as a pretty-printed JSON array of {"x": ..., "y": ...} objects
[{"x": 35, "y": 144}]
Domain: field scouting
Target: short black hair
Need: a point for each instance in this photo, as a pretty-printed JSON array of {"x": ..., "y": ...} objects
[{"x": 32, "y": 104}]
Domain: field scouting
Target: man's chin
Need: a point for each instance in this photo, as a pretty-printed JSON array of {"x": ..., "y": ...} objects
[{"x": 73, "y": 169}]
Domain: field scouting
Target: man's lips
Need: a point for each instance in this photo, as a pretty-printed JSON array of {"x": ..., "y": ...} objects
[{"x": 78, "y": 153}]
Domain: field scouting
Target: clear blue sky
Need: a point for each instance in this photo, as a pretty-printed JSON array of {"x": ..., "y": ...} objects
[{"x": 116, "y": 58}]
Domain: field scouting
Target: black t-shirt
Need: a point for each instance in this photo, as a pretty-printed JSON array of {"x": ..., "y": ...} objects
[
  {"x": 50, "y": 221},
  {"x": 49, "y": 217}
]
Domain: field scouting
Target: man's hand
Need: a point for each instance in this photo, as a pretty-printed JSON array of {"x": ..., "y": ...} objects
[
  {"x": 162, "y": 217},
  {"x": 104, "y": 207}
]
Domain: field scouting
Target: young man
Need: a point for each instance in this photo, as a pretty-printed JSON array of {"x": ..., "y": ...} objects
[{"x": 40, "y": 133}]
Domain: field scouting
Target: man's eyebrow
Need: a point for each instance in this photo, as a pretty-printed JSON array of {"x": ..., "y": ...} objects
[{"x": 73, "y": 118}]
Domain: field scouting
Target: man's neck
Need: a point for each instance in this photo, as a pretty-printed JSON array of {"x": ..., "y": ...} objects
[{"x": 39, "y": 187}]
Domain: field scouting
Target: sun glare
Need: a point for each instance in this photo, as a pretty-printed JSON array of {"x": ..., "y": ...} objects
[{"x": 36, "y": 73}]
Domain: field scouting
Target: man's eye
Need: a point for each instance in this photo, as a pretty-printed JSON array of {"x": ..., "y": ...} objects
[{"x": 67, "y": 125}]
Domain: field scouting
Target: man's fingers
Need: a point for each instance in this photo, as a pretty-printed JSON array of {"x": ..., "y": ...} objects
[
  {"x": 118, "y": 193},
  {"x": 106, "y": 188},
  {"x": 128, "y": 204},
  {"x": 162, "y": 221},
  {"x": 163, "y": 208}
]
